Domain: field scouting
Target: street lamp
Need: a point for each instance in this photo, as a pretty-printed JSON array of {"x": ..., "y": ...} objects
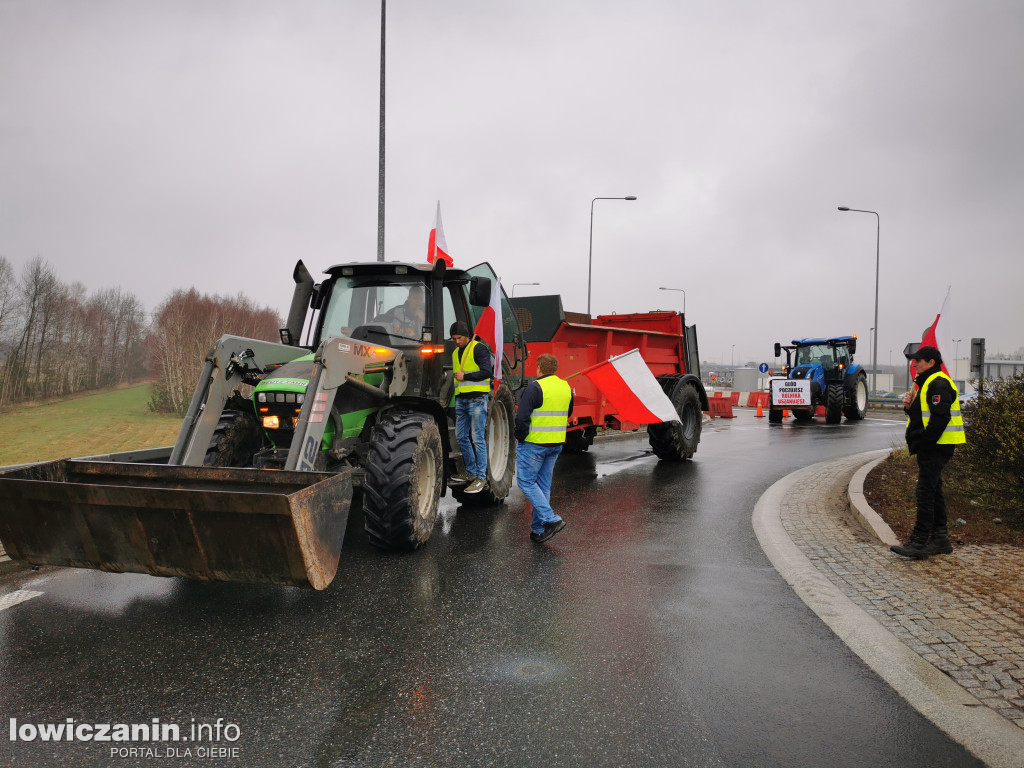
[
  {"x": 733, "y": 355},
  {"x": 590, "y": 257},
  {"x": 878, "y": 245},
  {"x": 956, "y": 357},
  {"x": 681, "y": 291},
  {"x": 515, "y": 284}
]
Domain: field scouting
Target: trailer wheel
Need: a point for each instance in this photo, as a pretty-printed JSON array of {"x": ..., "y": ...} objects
[
  {"x": 677, "y": 440},
  {"x": 402, "y": 489},
  {"x": 774, "y": 416},
  {"x": 834, "y": 404},
  {"x": 235, "y": 440},
  {"x": 580, "y": 440},
  {"x": 501, "y": 451},
  {"x": 856, "y": 407}
]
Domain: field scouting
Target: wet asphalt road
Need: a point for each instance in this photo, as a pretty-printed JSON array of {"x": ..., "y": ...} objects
[{"x": 653, "y": 631}]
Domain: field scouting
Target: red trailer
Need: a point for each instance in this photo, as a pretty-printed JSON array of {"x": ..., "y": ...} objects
[{"x": 667, "y": 345}]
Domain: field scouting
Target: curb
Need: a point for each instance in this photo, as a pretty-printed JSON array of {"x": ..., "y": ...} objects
[
  {"x": 871, "y": 520},
  {"x": 982, "y": 731}
]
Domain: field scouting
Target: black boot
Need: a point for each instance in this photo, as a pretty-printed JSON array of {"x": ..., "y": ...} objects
[
  {"x": 939, "y": 543},
  {"x": 915, "y": 548}
]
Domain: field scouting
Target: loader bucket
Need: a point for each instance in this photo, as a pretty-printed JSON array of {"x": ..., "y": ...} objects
[{"x": 208, "y": 523}]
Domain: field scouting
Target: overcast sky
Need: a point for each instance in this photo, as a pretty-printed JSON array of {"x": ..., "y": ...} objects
[{"x": 174, "y": 143}]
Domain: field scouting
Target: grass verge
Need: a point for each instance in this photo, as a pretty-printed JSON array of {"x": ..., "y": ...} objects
[{"x": 102, "y": 422}]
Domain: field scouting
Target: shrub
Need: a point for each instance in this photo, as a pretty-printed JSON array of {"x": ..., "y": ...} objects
[{"x": 991, "y": 465}]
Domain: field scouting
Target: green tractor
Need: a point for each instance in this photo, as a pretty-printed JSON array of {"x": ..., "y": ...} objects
[
  {"x": 281, "y": 440},
  {"x": 392, "y": 415}
]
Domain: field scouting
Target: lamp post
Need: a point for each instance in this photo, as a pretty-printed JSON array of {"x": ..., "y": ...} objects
[
  {"x": 956, "y": 357},
  {"x": 515, "y": 284},
  {"x": 878, "y": 245},
  {"x": 590, "y": 257},
  {"x": 733, "y": 355},
  {"x": 681, "y": 291}
]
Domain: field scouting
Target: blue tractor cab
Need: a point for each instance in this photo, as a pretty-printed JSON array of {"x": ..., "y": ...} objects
[{"x": 835, "y": 381}]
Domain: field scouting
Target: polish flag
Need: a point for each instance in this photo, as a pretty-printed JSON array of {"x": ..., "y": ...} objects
[
  {"x": 437, "y": 247},
  {"x": 490, "y": 327},
  {"x": 938, "y": 330},
  {"x": 630, "y": 386}
]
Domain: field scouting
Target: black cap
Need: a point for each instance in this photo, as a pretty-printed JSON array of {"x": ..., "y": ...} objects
[
  {"x": 926, "y": 353},
  {"x": 459, "y": 328}
]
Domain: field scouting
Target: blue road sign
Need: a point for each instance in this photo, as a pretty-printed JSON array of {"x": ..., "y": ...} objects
[{"x": 763, "y": 368}]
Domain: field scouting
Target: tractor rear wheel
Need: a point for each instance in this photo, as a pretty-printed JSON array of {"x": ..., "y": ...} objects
[
  {"x": 501, "y": 451},
  {"x": 402, "y": 490},
  {"x": 834, "y": 404},
  {"x": 580, "y": 440},
  {"x": 856, "y": 407},
  {"x": 677, "y": 440},
  {"x": 235, "y": 440}
]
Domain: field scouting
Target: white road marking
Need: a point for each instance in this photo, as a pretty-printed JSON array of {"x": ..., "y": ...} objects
[{"x": 17, "y": 596}]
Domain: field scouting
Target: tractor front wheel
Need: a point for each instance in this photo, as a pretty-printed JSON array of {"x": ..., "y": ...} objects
[
  {"x": 834, "y": 404},
  {"x": 402, "y": 489},
  {"x": 677, "y": 440},
  {"x": 501, "y": 451},
  {"x": 235, "y": 440},
  {"x": 856, "y": 407}
]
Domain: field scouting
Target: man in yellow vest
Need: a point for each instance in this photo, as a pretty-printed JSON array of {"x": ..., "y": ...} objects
[
  {"x": 934, "y": 429},
  {"x": 473, "y": 368},
  {"x": 542, "y": 418}
]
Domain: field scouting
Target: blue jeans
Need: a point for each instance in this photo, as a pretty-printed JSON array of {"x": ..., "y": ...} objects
[
  {"x": 535, "y": 465},
  {"x": 471, "y": 431}
]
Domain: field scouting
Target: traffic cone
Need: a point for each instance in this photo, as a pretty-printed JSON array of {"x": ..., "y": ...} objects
[
  {"x": 760, "y": 410},
  {"x": 785, "y": 413}
]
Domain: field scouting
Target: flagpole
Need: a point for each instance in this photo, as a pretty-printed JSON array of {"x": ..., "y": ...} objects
[{"x": 380, "y": 172}]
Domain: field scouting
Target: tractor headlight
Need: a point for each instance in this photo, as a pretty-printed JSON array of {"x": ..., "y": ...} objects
[{"x": 271, "y": 422}]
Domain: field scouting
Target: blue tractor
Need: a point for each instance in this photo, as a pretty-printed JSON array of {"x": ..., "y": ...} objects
[{"x": 822, "y": 372}]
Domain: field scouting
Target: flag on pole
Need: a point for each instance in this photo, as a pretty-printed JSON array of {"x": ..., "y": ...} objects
[
  {"x": 437, "y": 247},
  {"x": 937, "y": 333},
  {"x": 490, "y": 327},
  {"x": 630, "y": 386}
]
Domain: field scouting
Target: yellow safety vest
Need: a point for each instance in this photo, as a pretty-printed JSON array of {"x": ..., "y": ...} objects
[
  {"x": 468, "y": 365},
  {"x": 548, "y": 422},
  {"x": 953, "y": 434}
]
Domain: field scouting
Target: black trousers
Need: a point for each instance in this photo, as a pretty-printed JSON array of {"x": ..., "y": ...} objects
[{"x": 931, "y": 503}]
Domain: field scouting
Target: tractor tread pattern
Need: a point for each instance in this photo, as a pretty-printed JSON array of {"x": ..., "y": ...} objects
[
  {"x": 389, "y": 504},
  {"x": 234, "y": 440},
  {"x": 834, "y": 404}
]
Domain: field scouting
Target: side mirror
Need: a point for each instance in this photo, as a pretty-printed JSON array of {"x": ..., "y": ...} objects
[
  {"x": 480, "y": 291},
  {"x": 778, "y": 349}
]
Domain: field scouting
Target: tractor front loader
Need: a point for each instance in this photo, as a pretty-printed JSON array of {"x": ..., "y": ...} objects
[{"x": 258, "y": 487}]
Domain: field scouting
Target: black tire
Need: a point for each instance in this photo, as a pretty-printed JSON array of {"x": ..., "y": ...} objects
[
  {"x": 774, "y": 416},
  {"x": 580, "y": 440},
  {"x": 402, "y": 489},
  {"x": 677, "y": 440},
  {"x": 834, "y": 404},
  {"x": 501, "y": 451},
  {"x": 804, "y": 415},
  {"x": 235, "y": 440},
  {"x": 856, "y": 407}
]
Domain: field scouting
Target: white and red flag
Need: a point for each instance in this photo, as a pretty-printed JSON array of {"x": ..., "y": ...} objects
[
  {"x": 630, "y": 386},
  {"x": 490, "y": 327},
  {"x": 939, "y": 331},
  {"x": 437, "y": 247}
]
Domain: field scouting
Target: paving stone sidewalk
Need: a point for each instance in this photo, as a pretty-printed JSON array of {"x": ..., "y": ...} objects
[{"x": 963, "y": 613}]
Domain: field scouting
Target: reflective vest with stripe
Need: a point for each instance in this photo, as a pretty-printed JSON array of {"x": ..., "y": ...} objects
[
  {"x": 550, "y": 419},
  {"x": 468, "y": 365},
  {"x": 953, "y": 434}
]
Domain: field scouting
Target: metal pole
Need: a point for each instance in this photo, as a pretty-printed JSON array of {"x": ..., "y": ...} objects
[
  {"x": 590, "y": 254},
  {"x": 380, "y": 172},
  {"x": 682, "y": 291},
  {"x": 878, "y": 251}
]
